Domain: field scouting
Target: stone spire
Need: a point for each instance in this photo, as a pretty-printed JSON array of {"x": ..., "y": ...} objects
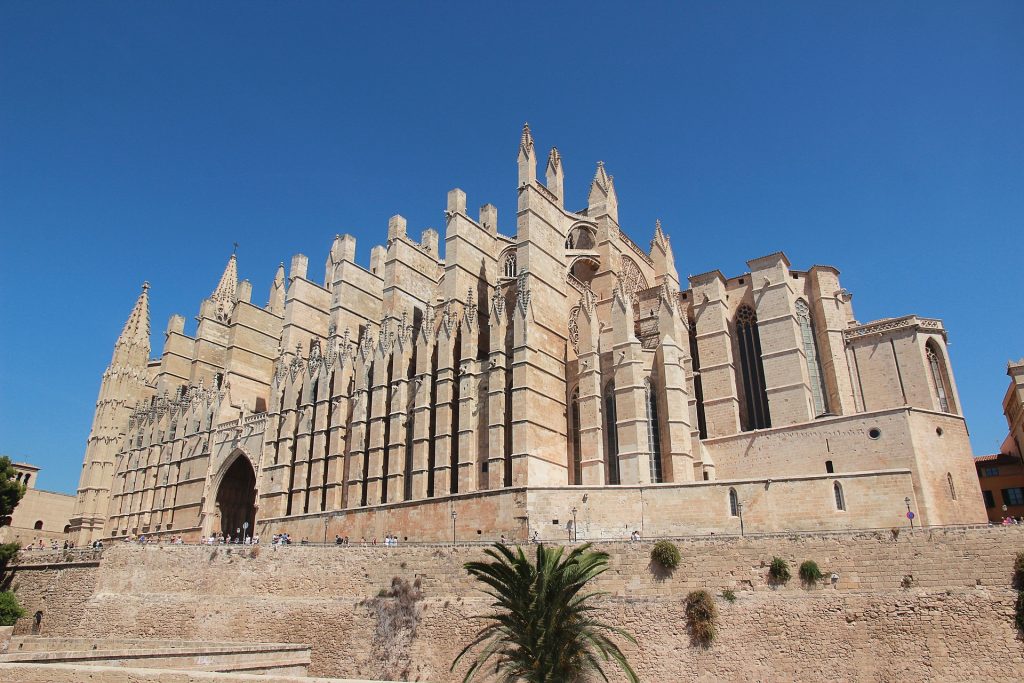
[
  {"x": 136, "y": 330},
  {"x": 602, "y": 199},
  {"x": 527, "y": 158},
  {"x": 228, "y": 285},
  {"x": 123, "y": 386},
  {"x": 555, "y": 176},
  {"x": 277, "y": 292}
]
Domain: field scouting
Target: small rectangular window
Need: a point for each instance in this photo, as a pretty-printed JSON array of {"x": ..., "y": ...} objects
[
  {"x": 828, "y": 467},
  {"x": 990, "y": 500},
  {"x": 991, "y": 472},
  {"x": 1014, "y": 496}
]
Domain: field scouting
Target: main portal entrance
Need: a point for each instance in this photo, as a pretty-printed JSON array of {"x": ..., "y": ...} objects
[{"x": 236, "y": 498}]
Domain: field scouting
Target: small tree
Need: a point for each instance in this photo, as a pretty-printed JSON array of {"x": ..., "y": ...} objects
[
  {"x": 809, "y": 572},
  {"x": 10, "y": 610},
  {"x": 701, "y": 615},
  {"x": 544, "y": 627},
  {"x": 11, "y": 491},
  {"x": 666, "y": 554},
  {"x": 778, "y": 570}
]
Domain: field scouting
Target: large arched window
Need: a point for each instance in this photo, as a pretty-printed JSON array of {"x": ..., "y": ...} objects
[
  {"x": 653, "y": 433},
  {"x": 939, "y": 377},
  {"x": 751, "y": 369},
  {"x": 734, "y": 503},
  {"x": 819, "y": 393},
  {"x": 508, "y": 265},
  {"x": 612, "y": 434},
  {"x": 837, "y": 489},
  {"x": 577, "y": 455},
  {"x": 949, "y": 482}
]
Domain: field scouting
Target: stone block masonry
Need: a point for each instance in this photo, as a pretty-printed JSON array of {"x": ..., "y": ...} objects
[{"x": 952, "y": 623}]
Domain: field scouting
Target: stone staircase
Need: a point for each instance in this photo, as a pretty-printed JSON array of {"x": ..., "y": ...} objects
[{"x": 267, "y": 659}]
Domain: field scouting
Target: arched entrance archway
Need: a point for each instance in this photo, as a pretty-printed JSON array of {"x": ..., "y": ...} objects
[{"x": 236, "y": 497}]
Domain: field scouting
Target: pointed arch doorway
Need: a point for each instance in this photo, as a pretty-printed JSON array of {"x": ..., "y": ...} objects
[{"x": 236, "y": 497}]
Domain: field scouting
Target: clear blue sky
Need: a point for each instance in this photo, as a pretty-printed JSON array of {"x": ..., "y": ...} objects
[{"x": 139, "y": 140}]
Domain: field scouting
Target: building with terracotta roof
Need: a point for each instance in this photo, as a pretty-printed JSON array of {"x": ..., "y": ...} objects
[{"x": 1002, "y": 474}]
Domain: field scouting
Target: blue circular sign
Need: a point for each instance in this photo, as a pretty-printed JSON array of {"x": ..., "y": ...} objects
[{"x": 910, "y": 515}]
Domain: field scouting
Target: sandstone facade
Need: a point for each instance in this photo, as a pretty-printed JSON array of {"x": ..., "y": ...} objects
[{"x": 523, "y": 376}]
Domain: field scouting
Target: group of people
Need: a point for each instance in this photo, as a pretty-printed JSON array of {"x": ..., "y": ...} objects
[
  {"x": 390, "y": 540},
  {"x": 1008, "y": 520},
  {"x": 229, "y": 539}
]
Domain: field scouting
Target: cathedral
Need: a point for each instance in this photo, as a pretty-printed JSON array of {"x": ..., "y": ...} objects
[{"x": 555, "y": 382}]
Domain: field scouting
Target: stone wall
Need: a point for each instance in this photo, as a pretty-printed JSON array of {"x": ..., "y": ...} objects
[
  {"x": 953, "y": 622},
  {"x": 67, "y": 673}
]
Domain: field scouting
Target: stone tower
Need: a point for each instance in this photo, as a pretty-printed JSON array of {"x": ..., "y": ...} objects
[{"x": 123, "y": 385}]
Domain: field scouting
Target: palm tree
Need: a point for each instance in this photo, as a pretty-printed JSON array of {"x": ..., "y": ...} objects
[{"x": 544, "y": 629}]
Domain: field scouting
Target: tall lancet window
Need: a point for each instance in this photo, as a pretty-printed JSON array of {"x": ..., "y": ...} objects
[
  {"x": 698, "y": 386},
  {"x": 819, "y": 393},
  {"x": 611, "y": 431},
  {"x": 939, "y": 377},
  {"x": 751, "y": 369},
  {"x": 653, "y": 433},
  {"x": 577, "y": 455}
]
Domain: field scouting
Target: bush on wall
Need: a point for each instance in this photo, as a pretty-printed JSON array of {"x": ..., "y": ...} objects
[
  {"x": 809, "y": 572},
  {"x": 666, "y": 554},
  {"x": 701, "y": 615},
  {"x": 778, "y": 570}
]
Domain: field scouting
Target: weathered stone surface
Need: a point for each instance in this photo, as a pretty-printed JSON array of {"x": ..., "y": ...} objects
[{"x": 867, "y": 627}]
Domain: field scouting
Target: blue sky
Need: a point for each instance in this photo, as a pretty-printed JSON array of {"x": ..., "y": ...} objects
[{"x": 139, "y": 140}]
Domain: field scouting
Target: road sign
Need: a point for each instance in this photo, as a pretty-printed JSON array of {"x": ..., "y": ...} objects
[{"x": 910, "y": 515}]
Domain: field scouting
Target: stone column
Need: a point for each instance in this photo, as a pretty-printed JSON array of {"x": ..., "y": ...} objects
[
  {"x": 303, "y": 444},
  {"x": 782, "y": 350},
  {"x": 358, "y": 432},
  {"x": 380, "y": 404},
  {"x": 469, "y": 382},
  {"x": 831, "y": 311},
  {"x": 630, "y": 394},
  {"x": 443, "y": 406},
  {"x": 422, "y": 388},
  {"x": 337, "y": 436},
  {"x": 714, "y": 344},
  {"x": 591, "y": 396},
  {"x": 398, "y": 414},
  {"x": 497, "y": 394},
  {"x": 318, "y": 459}
]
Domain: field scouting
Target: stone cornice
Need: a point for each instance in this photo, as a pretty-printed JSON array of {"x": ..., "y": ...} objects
[{"x": 907, "y": 322}]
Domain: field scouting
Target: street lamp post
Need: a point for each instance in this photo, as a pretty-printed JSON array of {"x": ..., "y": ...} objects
[
  {"x": 739, "y": 509},
  {"x": 454, "y": 515},
  {"x": 327, "y": 520},
  {"x": 575, "y": 535},
  {"x": 910, "y": 513}
]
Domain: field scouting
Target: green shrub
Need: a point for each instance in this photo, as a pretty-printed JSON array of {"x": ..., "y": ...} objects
[
  {"x": 809, "y": 572},
  {"x": 666, "y": 554},
  {"x": 8, "y": 551},
  {"x": 1018, "y": 571},
  {"x": 10, "y": 611},
  {"x": 778, "y": 570},
  {"x": 729, "y": 595},
  {"x": 1019, "y": 620},
  {"x": 701, "y": 615}
]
